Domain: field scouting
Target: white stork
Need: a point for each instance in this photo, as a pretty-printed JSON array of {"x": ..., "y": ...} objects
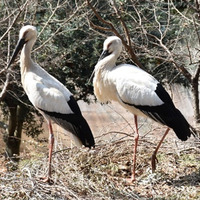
[
  {"x": 138, "y": 92},
  {"x": 49, "y": 96}
]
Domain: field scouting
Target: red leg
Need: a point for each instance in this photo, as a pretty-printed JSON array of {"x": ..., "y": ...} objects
[
  {"x": 153, "y": 158},
  {"x": 132, "y": 179},
  {"x": 51, "y": 143}
]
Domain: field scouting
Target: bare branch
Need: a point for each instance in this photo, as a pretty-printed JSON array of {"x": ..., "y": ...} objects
[
  {"x": 168, "y": 20},
  {"x": 47, "y": 22},
  {"x": 103, "y": 21},
  {"x": 159, "y": 25},
  {"x": 15, "y": 19},
  {"x": 184, "y": 71},
  {"x": 112, "y": 28},
  {"x": 99, "y": 27},
  {"x": 59, "y": 28},
  {"x": 190, "y": 56},
  {"x": 181, "y": 68},
  {"x": 196, "y": 30},
  {"x": 6, "y": 83},
  {"x": 181, "y": 14},
  {"x": 122, "y": 22},
  {"x": 197, "y": 73},
  {"x": 3, "y": 92}
]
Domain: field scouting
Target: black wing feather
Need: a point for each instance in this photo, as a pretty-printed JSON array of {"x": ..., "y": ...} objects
[
  {"x": 73, "y": 122},
  {"x": 166, "y": 114},
  {"x": 76, "y": 124}
]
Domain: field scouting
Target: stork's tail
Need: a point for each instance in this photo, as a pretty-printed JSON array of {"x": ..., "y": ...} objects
[
  {"x": 181, "y": 127},
  {"x": 76, "y": 124},
  {"x": 84, "y": 133},
  {"x": 80, "y": 130}
]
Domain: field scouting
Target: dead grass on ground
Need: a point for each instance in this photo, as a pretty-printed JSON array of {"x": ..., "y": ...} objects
[{"x": 101, "y": 173}]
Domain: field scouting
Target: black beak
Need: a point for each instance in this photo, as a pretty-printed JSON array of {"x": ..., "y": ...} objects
[
  {"x": 18, "y": 47},
  {"x": 104, "y": 54}
]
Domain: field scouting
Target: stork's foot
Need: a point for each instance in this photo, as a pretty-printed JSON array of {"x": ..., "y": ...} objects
[
  {"x": 46, "y": 180},
  {"x": 130, "y": 181},
  {"x": 154, "y": 160}
]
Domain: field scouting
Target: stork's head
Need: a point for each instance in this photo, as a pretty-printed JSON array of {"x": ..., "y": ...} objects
[
  {"x": 112, "y": 45},
  {"x": 27, "y": 34}
]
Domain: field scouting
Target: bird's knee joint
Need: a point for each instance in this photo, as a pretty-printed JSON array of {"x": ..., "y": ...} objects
[
  {"x": 51, "y": 136},
  {"x": 136, "y": 136}
]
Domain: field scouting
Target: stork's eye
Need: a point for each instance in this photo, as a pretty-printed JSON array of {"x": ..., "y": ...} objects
[
  {"x": 25, "y": 33},
  {"x": 109, "y": 45}
]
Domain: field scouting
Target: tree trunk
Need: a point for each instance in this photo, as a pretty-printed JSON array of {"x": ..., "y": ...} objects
[
  {"x": 195, "y": 92},
  {"x": 14, "y": 131}
]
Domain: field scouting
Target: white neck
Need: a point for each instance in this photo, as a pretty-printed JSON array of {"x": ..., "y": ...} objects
[
  {"x": 107, "y": 63},
  {"x": 25, "y": 58}
]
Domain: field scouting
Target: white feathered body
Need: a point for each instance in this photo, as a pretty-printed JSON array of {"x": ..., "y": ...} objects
[
  {"x": 135, "y": 90},
  {"x": 44, "y": 91},
  {"x": 49, "y": 96},
  {"x": 128, "y": 83}
]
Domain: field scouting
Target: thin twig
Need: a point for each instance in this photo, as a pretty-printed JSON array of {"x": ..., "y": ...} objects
[
  {"x": 128, "y": 46},
  {"x": 59, "y": 28},
  {"x": 14, "y": 21}
]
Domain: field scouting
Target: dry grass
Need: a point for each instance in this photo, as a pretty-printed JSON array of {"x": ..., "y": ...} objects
[{"x": 101, "y": 173}]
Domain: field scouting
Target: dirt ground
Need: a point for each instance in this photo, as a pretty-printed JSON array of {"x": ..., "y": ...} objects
[{"x": 101, "y": 173}]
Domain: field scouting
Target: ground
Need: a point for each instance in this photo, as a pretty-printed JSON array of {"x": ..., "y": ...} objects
[{"x": 101, "y": 173}]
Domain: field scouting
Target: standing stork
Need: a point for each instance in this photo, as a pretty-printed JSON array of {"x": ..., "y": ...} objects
[
  {"x": 138, "y": 92},
  {"x": 49, "y": 96}
]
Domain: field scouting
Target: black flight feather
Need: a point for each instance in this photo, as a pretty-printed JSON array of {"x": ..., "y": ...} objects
[
  {"x": 167, "y": 114},
  {"x": 74, "y": 123}
]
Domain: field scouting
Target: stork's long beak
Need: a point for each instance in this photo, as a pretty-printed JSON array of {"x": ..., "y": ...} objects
[
  {"x": 91, "y": 77},
  {"x": 18, "y": 47},
  {"x": 104, "y": 54}
]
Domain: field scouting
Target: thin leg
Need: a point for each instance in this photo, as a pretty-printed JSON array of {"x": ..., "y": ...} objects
[
  {"x": 132, "y": 179},
  {"x": 51, "y": 143},
  {"x": 153, "y": 158}
]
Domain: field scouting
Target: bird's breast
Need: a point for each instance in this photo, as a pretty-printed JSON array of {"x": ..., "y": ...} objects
[{"x": 104, "y": 87}]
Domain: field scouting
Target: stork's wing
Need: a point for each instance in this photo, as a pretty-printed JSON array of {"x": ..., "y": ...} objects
[
  {"x": 136, "y": 87},
  {"x": 47, "y": 98},
  {"x": 140, "y": 90}
]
